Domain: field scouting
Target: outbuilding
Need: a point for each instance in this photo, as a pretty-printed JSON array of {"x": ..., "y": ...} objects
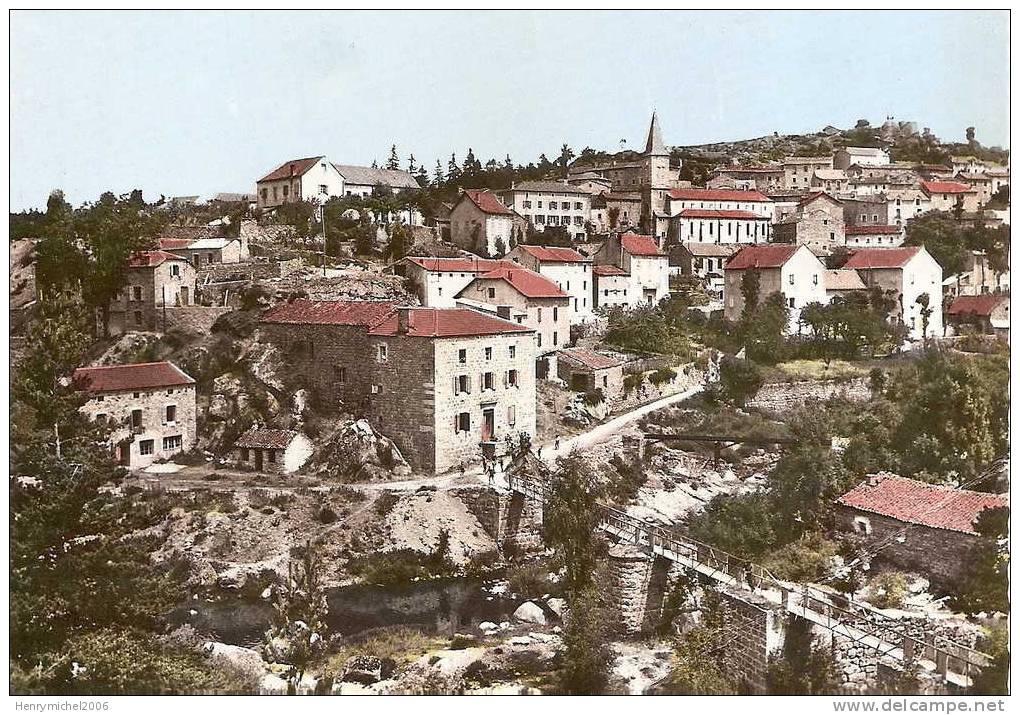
[{"x": 274, "y": 451}]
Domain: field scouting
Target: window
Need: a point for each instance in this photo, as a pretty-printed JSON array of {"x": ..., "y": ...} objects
[
  {"x": 265, "y": 194},
  {"x": 462, "y": 356},
  {"x": 100, "y": 398},
  {"x": 539, "y": 204},
  {"x": 527, "y": 204},
  {"x": 175, "y": 270},
  {"x": 136, "y": 292},
  {"x": 340, "y": 373},
  {"x": 136, "y": 418},
  {"x": 272, "y": 456},
  {"x": 286, "y": 190},
  {"x": 540, "y": 315},
  {"x": 462, "y": 422},
  {"x": 463, "y": 384},
  {"x": 793, "y": 303},
  {"x": 488, "y": 383},
  {"x": 245, "y": 455},
  {"x": 488, "y": 353},
  {"x": 492, "y": 293},
  {"x": 145, "y": 447},
  {"x": 552, "y": 204},
  {"x": 577, "y": 205},
  {"x": 511, "y": 415},
  {"x": 100, "y": 416},
  {"x": 539, "y": 335},
  {"x": 513, "y": 351},
  {"x": 512, "y": 378},
  {"x": 814, "y": 279},
  {"x": 862, "y": 525},
  {"x": 556, "y": 336},
  {"x": 138, "y": 317},
  {"x": 556, "y": 313},
  {"x": 382, "y": 352},
  {"x": 174, "y": 441},
  {"x": 171, "y": 414},
  {"x": 540, "y": 219},
  {"x": 791, "y": 279},
  {"x": 322, "y": 189}
]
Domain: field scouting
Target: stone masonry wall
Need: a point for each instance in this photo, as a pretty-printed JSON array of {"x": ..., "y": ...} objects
[
  {"x": 754, "y": 632},
  {"x": 783, "y": 396},
  {"x": 194, "y": 318}
]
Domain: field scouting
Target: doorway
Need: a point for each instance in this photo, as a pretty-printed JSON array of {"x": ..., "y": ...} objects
[
  {"x": 488, "y": 424},
  {"x": 258, "y": 460}
]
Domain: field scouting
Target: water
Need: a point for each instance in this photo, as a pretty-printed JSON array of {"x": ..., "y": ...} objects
[{"x": 444, "y": 607}]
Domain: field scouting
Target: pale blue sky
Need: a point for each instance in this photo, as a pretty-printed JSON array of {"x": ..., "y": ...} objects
[{"x": 199, "y": 102}]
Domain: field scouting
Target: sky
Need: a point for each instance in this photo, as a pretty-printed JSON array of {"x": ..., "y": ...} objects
[{"x": 185, "y": 103}]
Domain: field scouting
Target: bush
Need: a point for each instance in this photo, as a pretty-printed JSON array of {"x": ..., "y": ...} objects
[
  {"x": 391, "y": 568},
  {"x": 888, "y": 589},
  {"x": 530, "y": 578},
  {"x": 740, "y": 379},
  {"x": 632, "y": 381},
  {"x": 385, "y": 502},
  {"x": 806, "y": 559},
  {"x": 662, "y": 376},
  {"x": 325, "y": 514},
  {"x": 594, "y": 397}
]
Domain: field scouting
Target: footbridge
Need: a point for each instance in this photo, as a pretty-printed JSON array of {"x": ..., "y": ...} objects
[{"x": 862, "y": 624}]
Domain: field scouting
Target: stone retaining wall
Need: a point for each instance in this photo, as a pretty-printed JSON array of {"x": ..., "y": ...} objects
[
  {"x": 514, "y": 522},
  {"x": 219, "y": 272},
  {"x": 192, "y": 318},
  {"x": 784, "y": 396}
]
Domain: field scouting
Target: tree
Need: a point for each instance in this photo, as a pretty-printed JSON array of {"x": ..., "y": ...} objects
[
  {"x": 741, "y": 379},
  {"x": 613, "y": 214},
  {"x": 393, "y": 163},
  {"x": 926, "y": 310},
  {"x": 986, "y": 581},
  {"x": 566, "y": 154},
  {"x": 750, "y": 289},
  {"x": 764, "y": 329},
  {"x": 437, "y": 177},
  {"x": 571, "y": 527},
  {"x": 297, "y": 637},
  {"x": 412, "y": 167},
  {"x": 971, "y": 135},
  {"x": 743, "y": 525},
  {"x": 699, "y": 657},
  {"x": 422, "y": 177},
  {"x": 805, "y": 667},
  {"x": 452, "y": 170},
  {"x": 399, "y": 242},
  {"x": 500, "y": 246}
]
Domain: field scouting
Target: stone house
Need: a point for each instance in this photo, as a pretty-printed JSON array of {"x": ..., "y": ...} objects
[
  {"x": 481, "y": 224},
  {"x": 153, "y": 279},
  {"x": 874, "y": 235},
  {"x": 702, "y": 260},
  {"x": 550, "y": 203},
  {"x": 831, "y": 181},
  {"x": 977, "y": 278},
  {"x": 207, "y": 251},
  {"x": 150, "y": 407},
  {"x": 949, "y": 195},
  {"x": 987, "y": 314},
  {"x": 610, "y": 285},
  {"x": 363, "y": 180},
  {"x": 865, "y": 210},
  {"x": 905, "y": 204},
  {"x": 760, "y": 177},
  {"x": 626, "y": 206},
  {"x": 967, "y": 163},
  {"x": 545, "y": 306},
  {"x": 980, "y": 182},
  {"x": 921, "y": 527},
  {"x": 909, "y": 272},
  {"x": 882, "y": 183},
  {"x": 999, "y": 177},
  {"x": 789, "y": 269},
  {"x": 817, "y": 223},
  {"x": 863, "y": 156},
  {"x": 646, "y": 266},
  {"x": 565, "y": 267},
  {"x": 274, "y": 451},
  {"x": 586, "y": 370},
  {"x": 799, "y": 170},
  {"x": 437, "y": 281},
  {"x": 443, "y": 383}
]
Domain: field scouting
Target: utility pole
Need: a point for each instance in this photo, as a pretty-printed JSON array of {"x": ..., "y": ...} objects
[
  {"x": 56, "y": 432},
  {"x": 322, "y": 218}
]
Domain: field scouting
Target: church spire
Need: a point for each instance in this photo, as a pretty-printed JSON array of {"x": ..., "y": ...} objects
[{"x": 654, "y": 145}]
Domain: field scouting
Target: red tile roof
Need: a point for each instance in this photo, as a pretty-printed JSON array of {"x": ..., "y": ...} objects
[
  {"x": 915, "y": 502},
  {"x": 294, "y": 167},
  {"x": 945, "y": 187},
  {"x": 151, "y": 259},
  {"x": 843, "y": 279},
  {"x": 487, "y": 202},
  {"x": 639, "y": 245},
  {"x": 772, "y": 255},
  {"x": 328, "y": 312},
  {"x": 137, "y": 376},
  {"x": 817, "y": 195},
  {"x": 447, "y": 323},
  {"x": 461, "y": 265},
  {"x": 872, "y": 230},
  {"x": 717, "y": 213},
  {"x": 526, "y": 282},
  {"x": 881, "y": 257},
  {"x": 608, "y": 270},
  {"x": 976, "y": 304},
  {"x": 589, "y": 358},
  {"x": 170, "y": 244},
  {"x": 554, "y": 254},
  {"x": 717, "y": 195},
  {"x": 266, "y": 439}
]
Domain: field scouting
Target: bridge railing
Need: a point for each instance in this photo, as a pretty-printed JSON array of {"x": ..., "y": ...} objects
[{"x": 948, "y": 656}]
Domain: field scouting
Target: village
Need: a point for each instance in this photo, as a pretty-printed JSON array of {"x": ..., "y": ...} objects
[{"x": 783, "y": 378}]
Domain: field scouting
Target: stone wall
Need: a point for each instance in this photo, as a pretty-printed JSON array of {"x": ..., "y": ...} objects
[
  {"x": 640, "y": 582},
  {"x": 754, "y": 631},
  {"x": 220, "y": 272},
  {"x": 784, "y": 396},
  {"x": 194, "y": 318}
]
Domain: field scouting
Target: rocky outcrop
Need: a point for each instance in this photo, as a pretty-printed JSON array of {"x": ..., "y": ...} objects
[
  {"x": 781, "y": 397},
  {"x": 355, "y": 452}
]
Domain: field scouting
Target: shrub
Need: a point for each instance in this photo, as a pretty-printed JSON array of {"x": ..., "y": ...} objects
[
  {"x": 530, "y": 578},
  {"x": 662, "y": 376},
  {"x": 740, "y": 379},
  {"x": 391, "y": 568},
  {"x": 888, "y": 589},
  {"x": 594, "y": 397},
  {"x": 385, "y": 502},
  {"x": 632, "y": 381},
  {"x": 350, "y": 494},
  {"x": 806, "y": 559},
  {"x": 325, "y": 514}
]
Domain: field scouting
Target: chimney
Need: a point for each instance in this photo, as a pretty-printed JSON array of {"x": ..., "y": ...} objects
[
  {"x": 403, "y": 318},
  {"x": 292, "y": 170},
  {"x": 503, "y": 311}
]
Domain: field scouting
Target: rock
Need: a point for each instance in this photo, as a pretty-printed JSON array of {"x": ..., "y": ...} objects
[
  {"x": 273, "y": 685},
  {"x": 488, "y": 627},
  {"x": 521, "y": 640},
  {"x": 556, "y": 605},
  {"x": 367, "y": 669},
  {"x": 245, "y": 660},
  {"x": 530, "y": 612}
]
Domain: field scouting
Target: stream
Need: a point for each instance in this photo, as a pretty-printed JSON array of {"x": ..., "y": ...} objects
[{"x": 445, "y": 606}]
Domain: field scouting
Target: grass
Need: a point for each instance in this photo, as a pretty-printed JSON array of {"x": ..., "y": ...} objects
[
  {"x": 812, "y": 370},
  {"x": 400, "y": 643}
]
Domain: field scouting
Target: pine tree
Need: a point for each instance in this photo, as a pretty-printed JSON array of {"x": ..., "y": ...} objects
[
  {"x": 422, "y": 177},
  {"x": 412, "y": 168},
  {"x": 452, "y": 169},
  {"x": 394, "y": 161},
  {"x": 438, "y": 177},
  {"x": 375, "y": 164}
]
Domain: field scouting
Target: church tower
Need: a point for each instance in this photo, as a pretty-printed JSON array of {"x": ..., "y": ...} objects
[{"x": 658, "y": 180}]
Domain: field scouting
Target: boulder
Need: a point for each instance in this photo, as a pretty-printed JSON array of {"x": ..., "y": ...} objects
[
  {"x": 530, "y": 612},
  {"x": 557, "y": 605},
  {"x": 488, "y": 627},
  {"x": 244, "y": 660},
  {"x": 367, "y": 669},
  {"x": 521, "y": 640}
]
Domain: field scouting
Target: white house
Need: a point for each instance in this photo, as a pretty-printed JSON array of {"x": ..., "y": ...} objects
[
  {"x": 863, "y": 156},
  {"x": 908, "y": 271},
  {"x": 639, "y": 257},
  {"x": 872, "y": 235},
  {"x": 611, "y": 285},
  {"x": 565, "y": 267},
  {"x": 718, "y": 226},
  {"x": 313, "y": 178},
  {"x": 720, "y": 199},
  {"x": 789, "y": 269},
  {"x": 437, "y": 281},
  {"x": 278, "y": 451},
  {"x": 905, "y": 204},
  {"x": 551, "y": 203},
  {"x": 480, "y": 223}
]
